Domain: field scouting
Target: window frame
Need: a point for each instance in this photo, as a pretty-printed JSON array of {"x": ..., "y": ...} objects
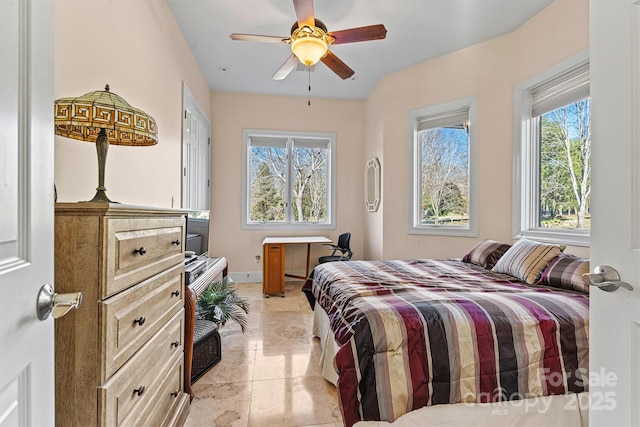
[
  {"x": 247, "y": 134},
  {"x": 526, "y": 158},
  {"x": 420, "y": 114}
]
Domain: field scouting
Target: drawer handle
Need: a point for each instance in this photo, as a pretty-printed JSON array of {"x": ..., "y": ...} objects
[
  {"x": 140, "y": 251},
  {"x": 176, "y": 242},
  {"x": 139, "y": 390},
  {"x": 140, "y": 321},
  {"x": 175, "y": 293},
  {"x": 175, "y": 344},
  {"x": 175, "y": 393}
]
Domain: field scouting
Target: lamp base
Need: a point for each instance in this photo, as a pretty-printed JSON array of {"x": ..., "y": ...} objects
[
  {"x": 100, "y": 197},
  {"x": 102, "y": 148}
]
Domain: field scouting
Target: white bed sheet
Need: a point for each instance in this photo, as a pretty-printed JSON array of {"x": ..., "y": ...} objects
[
  {"x": 571, "y": 410},
  {"x": 328, "y": 344}
]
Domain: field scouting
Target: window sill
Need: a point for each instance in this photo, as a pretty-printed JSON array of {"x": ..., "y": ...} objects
[
  {"x": 308, "y": 226},
  {"x": 444, "y": 231},
  {"x": 571, "y": 238}
]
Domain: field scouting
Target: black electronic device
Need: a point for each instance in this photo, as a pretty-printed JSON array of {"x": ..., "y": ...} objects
[{"x": 194, "y": 269}]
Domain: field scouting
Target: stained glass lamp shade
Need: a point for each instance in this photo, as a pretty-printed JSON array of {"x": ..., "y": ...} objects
[{"x": 104, "y": 118}]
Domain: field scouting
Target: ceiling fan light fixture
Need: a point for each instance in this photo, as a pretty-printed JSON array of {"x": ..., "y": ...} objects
[
  {"x": 310, "y": 41},
  {"x": 309, "y": 45}
]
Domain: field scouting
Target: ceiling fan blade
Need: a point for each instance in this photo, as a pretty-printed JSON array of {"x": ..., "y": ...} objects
[
  {"x": 337, "y": 66},
  {"x": 304, "y": 12},
  {"x": 286, "y": 68},
  {"x": 360, "y": 34},
  {"x": 258, "y": 38}
]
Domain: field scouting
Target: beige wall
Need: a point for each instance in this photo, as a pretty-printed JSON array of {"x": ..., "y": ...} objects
[
  {"x": 488, "y": 71},
  {"x": 138, "y": 49},
  {"x": 374, "y": 221},
  {"x": 230, "y": 114}
]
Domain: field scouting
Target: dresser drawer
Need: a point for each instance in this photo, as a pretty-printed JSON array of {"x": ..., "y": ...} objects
[
  {"x": 123, "y": 398},
  {"x": 139, "y": 248},
  {"x": 162, "y": 408},
  {"x": 132, "y": 317}
]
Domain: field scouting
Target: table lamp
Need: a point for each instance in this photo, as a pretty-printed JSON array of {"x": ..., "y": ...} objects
[{"x": 104, "y": 118}]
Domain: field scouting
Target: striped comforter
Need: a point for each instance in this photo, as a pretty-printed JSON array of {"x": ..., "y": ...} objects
[{"x": 415, "y": 333}]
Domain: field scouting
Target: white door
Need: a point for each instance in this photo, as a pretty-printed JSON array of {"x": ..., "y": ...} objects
[
  {"x": 196, "y": 147},
  {"x": 615, "y": 206},
  {"x": 26, "y": 211}
]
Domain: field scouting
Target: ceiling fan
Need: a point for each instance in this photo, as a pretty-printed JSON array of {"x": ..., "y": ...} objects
[{"x": 310, "y": 41}]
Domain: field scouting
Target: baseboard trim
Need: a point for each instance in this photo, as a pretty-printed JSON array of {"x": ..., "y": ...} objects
[{"x": 256, "y": 276}]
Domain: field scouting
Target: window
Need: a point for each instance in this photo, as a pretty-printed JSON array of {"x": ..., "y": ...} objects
[
  {"x": 443, "y": 141},
  {"x": 553, "y": 154},
  {"x": 288, "y": 180}
]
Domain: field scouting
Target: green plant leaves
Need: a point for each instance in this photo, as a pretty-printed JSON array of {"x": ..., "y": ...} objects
[{"x": 220, "y": 303}]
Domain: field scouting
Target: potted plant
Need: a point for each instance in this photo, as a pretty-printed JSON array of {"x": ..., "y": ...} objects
[{"x": 220, "y": 303}]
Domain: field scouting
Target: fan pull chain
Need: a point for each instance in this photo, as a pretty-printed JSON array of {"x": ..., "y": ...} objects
[{"x": 309, "y": 99}]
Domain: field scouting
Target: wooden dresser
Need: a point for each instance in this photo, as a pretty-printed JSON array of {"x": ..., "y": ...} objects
[{"x": 119, "y": 356}]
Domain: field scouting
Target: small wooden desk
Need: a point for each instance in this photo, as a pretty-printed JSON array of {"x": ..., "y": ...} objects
[{"x": 273, "y": 261}]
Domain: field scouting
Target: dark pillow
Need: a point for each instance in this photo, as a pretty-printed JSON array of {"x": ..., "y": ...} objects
[
  {"x": 565, "y": 271},
  {"x": 486, "y": 253}
]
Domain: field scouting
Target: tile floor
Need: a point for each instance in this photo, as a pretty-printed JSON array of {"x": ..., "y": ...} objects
[{"x": 269, "y": 376}]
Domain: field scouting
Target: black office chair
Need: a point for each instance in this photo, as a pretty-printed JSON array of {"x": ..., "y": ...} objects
[{"x": 342, "y": 247}]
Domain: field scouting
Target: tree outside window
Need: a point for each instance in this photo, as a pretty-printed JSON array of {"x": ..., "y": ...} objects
[
  {"x": 565, "y": 167},
  {"x": 443, "y": 169},
  {"x": 552, "y": 128},
  {"x": 267, "y": 193},
  {"x": 289, "y": 180},
  {"x": 445, "y": 176}
]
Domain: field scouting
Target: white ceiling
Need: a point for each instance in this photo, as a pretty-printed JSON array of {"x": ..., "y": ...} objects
[{"x": 417, "y": 30}]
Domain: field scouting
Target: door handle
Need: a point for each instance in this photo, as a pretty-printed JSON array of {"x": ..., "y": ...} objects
[
  {"x": 59, "y": 304},
  {"x": 605, "y": 278}
]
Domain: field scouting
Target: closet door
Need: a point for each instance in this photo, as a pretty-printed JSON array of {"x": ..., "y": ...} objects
[{"x": 196, "y": 147}]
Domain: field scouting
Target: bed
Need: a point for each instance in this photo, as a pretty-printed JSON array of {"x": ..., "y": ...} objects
[{"x": 407, "y": 334}]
